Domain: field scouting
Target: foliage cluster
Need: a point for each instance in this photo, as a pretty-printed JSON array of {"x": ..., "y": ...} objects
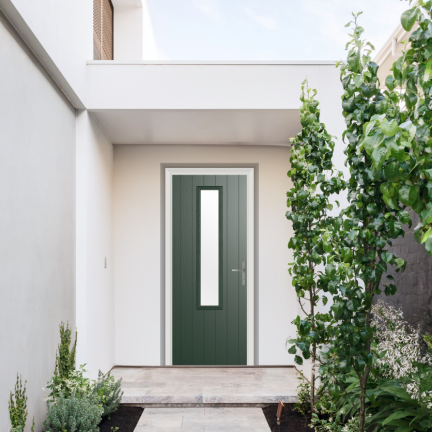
[
  {"x": 314, "y": 181},
  {"x": 76, "y": 403},
  {"x": 303, "y": 393},
  {"x": 397, "y": 397},
  {"x": 18, "y": 407},
  {"x": 389, "y": 154},
  {"x": 73, "y": 414}
]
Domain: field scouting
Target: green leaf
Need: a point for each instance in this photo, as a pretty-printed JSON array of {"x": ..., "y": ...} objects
[
  {"x": 354, "y": 60},
  {"x": 347, "y": 255},
  {"x": 387, "y": 256},
  {"x": 428, "y": 245},
  {"x": 398, "y": 415},
  {"x": 330, "y": 271},
  {"x": 354, "y": 338},
  {"x": 298, "y": 360},
  {"x": 426, "y": 235},
  {"x": 408, "y": 194},
  {"x": 428, "y": 71},
  {"x": 404, "y": 217},
  {"x": 389, "y": 82},
  {"x": 373, "y": 141},
  {"x": 324, "y": 300},
  {"x": 352, "y": 305},
  {"x": 392, "y": 171},
  {"x": 292, "y": 350},
  {"x": 379, "y": 156},
  {"x": 389, "y": 128},
  {"x": 408, "y": 18},
  {"x": 404, "y": 428}
]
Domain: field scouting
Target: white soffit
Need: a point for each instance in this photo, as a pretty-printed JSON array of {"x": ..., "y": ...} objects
[{"x": 212, "y": 126}]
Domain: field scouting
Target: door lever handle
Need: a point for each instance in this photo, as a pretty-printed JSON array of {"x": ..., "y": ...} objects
[{"x": 243, "y": 270}]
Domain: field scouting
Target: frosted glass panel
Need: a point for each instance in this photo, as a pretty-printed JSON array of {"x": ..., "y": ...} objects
[{"x": 209, "y": 248}]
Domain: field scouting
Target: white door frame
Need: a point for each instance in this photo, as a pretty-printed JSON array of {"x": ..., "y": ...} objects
[{"x": 249, "y": 172}]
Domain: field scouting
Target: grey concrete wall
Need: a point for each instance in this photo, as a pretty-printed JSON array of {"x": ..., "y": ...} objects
[
  {"x": 37, "y": 222},
  {"x": 414, "y": 294}
]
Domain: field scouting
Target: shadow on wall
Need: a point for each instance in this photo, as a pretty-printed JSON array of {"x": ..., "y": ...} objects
[{"x": 414, "y": 286}]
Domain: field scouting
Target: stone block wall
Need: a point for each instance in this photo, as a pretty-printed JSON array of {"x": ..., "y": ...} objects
[{"x": 414, "y": 286}]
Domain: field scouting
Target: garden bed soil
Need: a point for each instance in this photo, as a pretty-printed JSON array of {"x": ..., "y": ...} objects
[
  {"x": 125, "y": 418},
  {"x": 292, "y": 421}
]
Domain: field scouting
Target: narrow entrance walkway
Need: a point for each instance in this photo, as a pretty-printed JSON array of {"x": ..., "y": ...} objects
[
  {"x": 202, "y": 420},
  {"x": 213, "y": 386}
]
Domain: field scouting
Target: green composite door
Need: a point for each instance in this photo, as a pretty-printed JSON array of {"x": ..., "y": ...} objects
[{"x": 209, "y": 242}]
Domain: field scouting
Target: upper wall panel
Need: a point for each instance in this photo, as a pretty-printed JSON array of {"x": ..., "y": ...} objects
[
  {"x": 164, "y": 85},
  {"x": 60, "y": 34}
]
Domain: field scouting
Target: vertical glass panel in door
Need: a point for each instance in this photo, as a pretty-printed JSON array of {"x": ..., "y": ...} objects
[{"x": 209, "y": 248}]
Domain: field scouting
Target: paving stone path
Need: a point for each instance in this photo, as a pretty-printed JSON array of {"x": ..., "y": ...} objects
[{"x": 202, "y": 420}]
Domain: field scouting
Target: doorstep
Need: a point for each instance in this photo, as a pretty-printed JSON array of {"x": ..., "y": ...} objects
[{"x": 207, "y": 386}]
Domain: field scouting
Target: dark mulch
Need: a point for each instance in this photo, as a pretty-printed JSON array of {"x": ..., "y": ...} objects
[
  {"x": 125, "y": 418},
  {"x": 292, "y": 421}
]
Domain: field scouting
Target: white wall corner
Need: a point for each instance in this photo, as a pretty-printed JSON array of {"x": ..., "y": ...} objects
[
  {"x": 81, "y": 234},
  {"x": 133, "y": 31}
]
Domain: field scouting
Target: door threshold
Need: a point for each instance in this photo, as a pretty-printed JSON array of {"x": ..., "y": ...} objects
[{"x": 206, "y": 366}]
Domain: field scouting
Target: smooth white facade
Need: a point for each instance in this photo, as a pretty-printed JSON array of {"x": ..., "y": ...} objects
[
  {"x": 86, "y": 145},
  {"x": 94, "y": 246},
  {"x": 37, "y": 222},
  {"x": 133, "y": 31}
]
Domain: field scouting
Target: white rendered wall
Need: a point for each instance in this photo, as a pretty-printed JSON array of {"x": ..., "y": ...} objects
[
  {"x": 37, "y": 223},
  {"x": 64, "y": 29},
  {"x": 133, "y": 32},
  {"x": 138, "y": 254},
  {"x": 95, "y": 289}
]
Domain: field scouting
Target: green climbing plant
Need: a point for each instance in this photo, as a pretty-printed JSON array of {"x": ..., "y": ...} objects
[
  {"x": 409, "y": 166},
  {"x": 314, "y": 181},
  {"x": 359, "y": 256}
]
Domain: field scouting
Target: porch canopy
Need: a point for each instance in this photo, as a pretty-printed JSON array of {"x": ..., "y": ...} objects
[{"x": 166, "y": 102}]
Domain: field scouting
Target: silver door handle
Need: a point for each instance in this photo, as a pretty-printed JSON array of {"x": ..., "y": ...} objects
[{"x": 243, "y": 270}]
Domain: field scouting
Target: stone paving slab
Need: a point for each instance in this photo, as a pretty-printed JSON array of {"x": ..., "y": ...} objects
[
  {"x": 202, "y": 420},
  {"x": 207, "y": 385}
]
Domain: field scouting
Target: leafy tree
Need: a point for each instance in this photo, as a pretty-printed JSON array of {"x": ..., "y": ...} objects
[
  {"x": 309, "y": 199},
  {"x": 359, "y": 258},
  {"x": 409, "y": 168}
]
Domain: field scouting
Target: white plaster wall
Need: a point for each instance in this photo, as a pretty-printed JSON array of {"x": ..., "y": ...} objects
[
  {"x": 128, "y": 33},
  {"x": 138, "y": 255},
  {"x": 211, "y": 85},
  {"x": 65, "y": 29},
  {"x": 37, "y": 223},
  {"x": 133, "y": 32},
  {"x": 95, "y": 289}
]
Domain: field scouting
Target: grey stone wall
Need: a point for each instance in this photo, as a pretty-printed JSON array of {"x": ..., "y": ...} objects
[{"x": 414, "y": 294}]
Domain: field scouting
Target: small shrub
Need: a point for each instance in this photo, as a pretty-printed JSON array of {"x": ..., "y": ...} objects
[
  {"x": 303, "y": 391},
  {"x": 402, "y": 355},
  {"x": 18, "y": 408},
  {"x": 65, "y": 361},
  {"x": 326, "y": 417},
  {"x": 76, "y": 384},
  {"x": 108, "y": 392},
  {"x": 72, "y": 414}
]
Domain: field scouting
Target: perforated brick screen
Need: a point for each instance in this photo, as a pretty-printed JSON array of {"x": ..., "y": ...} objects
[{"x": 103, "y": 30}]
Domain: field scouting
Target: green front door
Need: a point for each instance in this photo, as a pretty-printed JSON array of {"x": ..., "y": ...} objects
[{"x": 209, "y": 242}]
